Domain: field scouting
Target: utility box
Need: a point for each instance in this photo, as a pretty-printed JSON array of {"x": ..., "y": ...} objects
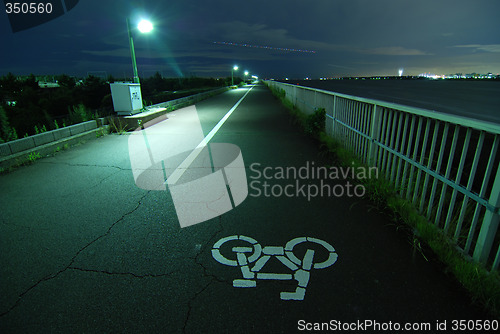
[{"x": 127, "y": 98}]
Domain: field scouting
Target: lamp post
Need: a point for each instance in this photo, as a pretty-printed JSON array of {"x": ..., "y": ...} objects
[
  {"x": 246, "y": 75},
  {"x": 144, "y": 26},
  {"x": 235, "y": 68}
]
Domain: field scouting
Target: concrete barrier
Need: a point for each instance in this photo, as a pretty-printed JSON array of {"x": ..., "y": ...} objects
[
  {"x": 43, "y": 138},
  {"x": 21, "y": 144},
  {"x": 5, "y": 150},
  {"x": 61, "y": 133},
  {"x": 40, "y": 139},
  {"x": 90, "y": 125},
  {"x": 76, "y": 129}
]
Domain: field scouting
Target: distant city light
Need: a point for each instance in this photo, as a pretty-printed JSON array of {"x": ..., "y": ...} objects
[{"x": 400, "y": 72}]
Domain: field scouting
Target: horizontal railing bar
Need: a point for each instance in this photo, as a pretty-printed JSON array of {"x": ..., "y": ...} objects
[
  {"x": 459, "y": 120},
  {"x": 441, "y": 178}
]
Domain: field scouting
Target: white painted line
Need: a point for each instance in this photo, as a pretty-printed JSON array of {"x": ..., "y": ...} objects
[
  {"x": 292, "y": 257},
  {"x": 242, "y": 259},
  {"x": 272, "y": 250},
  {"x": 223, "y": 240},
  {"x": 285, "y": 255},
  {"x": 257, "y": 254},
  {"x": 243, "y": 283},
  {"x": 302, "y": 277},
  {"x": 308, "y": 259},
  {"x": 322, "y": 243},
  {"x": 247, "y": 239},
  {"x": 247, "y": 273},
  {"x": 299, "y": 294},
  {"x": 331, "y": 260},
  {"x": 242, "y": 249},
  {"x": 281, "y": 277},
  {"x": 261, "y": 262},
  {"x": 287, "y": 263},
  {"x": 179, "y": 171},
  {"x": 221, "y": 259},
  {"x": 292, "y": 243}
]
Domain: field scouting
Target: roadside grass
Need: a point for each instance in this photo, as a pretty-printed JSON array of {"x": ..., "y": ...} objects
[
  {"x": 483, "y": 285},
  {"x": 33, "y": 156},
  {"x": 117, "y": 126}
]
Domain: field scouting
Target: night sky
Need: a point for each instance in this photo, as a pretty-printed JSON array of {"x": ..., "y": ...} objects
[{"x": 302, "y": 38}]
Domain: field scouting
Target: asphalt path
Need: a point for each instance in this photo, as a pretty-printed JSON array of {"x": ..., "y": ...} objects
[{"x": 83, "y": 249}]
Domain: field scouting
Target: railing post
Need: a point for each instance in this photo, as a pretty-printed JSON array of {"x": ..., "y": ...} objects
[
  {"x": 315, "y": 104},
  {"x": 374, "y": 135},
  {"x": 490, "y": 224},
  {"x": 334, "y": 114}
]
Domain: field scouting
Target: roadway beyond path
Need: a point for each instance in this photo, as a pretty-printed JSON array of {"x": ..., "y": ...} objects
[{"x": 84, "y": 250}]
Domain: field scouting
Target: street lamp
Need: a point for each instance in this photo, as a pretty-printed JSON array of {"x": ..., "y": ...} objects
[
  {"x": 235, "y": 68},
  {"x": 144, "y": 26},
  {"x": 246, "y": 74}
]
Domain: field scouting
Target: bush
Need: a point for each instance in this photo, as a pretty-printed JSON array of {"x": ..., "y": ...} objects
[
  {"x": 7, "y": 132},
  {"x": 79, "y": 113},
  {"x": 315, "y": 123}
]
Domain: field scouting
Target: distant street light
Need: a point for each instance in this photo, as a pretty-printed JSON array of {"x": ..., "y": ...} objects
[
  {"x": 235, "y": 68},
  {"x": 246, "y": 74},
  {"x": 144, "y": 26}
]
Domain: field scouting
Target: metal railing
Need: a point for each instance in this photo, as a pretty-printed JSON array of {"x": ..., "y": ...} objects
[{"x": 446, "y": 165}]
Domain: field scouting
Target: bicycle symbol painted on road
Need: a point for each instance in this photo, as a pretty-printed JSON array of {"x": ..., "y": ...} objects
[{"x": 301, "y": 267}]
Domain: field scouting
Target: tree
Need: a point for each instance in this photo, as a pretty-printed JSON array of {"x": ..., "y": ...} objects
[
  {"x": 93, "y": 90},
  {"x": 10, "y": 84},
  {"x": 66, "y": 81},
  {"x": 6, "y": 131},
  {"x": 31, "y": 82}
]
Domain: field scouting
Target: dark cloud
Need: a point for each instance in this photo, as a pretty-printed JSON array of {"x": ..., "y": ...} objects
[{"x": 350, "y": 37}]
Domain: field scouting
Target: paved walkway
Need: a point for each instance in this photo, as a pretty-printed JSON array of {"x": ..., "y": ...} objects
[{"x": 84, "y": 250}]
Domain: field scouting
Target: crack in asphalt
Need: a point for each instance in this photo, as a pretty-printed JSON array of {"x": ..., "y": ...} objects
[
  {"x": 122, "y": 274},
  {"x": 212, "y": 277},
  {"x": 190, "y": 307},
  {"x": 69, "y": 266},
  {"x": 82, "y": 165}
]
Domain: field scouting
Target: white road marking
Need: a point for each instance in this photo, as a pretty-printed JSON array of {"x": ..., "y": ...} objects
[
  {"x": 179, "y": 171},
  {"x": 287, "y": 263},
  {"x": 243, "y": 283},
  {"x": 283, "y": 277},
  {"x": 301, "y": 268},
  {"x": 270, "y": 250}
]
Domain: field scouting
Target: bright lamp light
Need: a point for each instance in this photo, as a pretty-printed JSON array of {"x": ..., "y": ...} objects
[{"x": 145, "y": 26}]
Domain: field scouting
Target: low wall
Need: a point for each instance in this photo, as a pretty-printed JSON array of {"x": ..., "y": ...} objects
[
  {"x": 23, "y": 144},
  {"x": 190, "y": 99}
]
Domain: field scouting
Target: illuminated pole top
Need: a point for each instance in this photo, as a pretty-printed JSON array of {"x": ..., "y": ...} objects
[{"x": 144, "y": 26}]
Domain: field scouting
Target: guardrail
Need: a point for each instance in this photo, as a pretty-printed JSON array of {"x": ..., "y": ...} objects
[
  {"x": 446, "y": 165},
  {"x": 190, "y": 99}
]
